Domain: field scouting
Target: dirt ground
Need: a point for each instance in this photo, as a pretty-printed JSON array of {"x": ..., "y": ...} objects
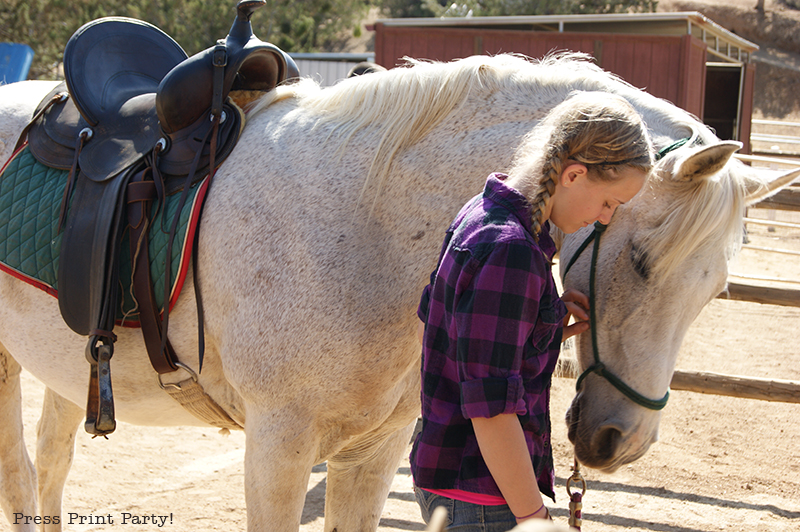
[{"x": 722, "y": 464}]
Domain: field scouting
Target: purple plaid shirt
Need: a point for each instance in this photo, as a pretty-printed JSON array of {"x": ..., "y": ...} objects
[{"x": 493, "y": 325}]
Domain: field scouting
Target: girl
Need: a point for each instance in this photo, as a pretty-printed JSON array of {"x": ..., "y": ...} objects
[{"x": 493, "y": 321}]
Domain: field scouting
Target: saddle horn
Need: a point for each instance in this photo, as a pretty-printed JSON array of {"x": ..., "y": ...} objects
[{"x": 247, "y": 62}]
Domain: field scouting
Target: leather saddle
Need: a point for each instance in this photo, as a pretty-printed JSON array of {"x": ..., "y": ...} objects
[{"x": 136, "y": 120}]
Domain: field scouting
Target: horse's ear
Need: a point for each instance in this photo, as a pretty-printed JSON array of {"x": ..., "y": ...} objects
[
  {"x": 706, "y": 161},
  {"x": 765, "y": 184}
]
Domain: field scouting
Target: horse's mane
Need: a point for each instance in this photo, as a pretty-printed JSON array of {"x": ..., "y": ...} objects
[{"x": 403, "y": 105}]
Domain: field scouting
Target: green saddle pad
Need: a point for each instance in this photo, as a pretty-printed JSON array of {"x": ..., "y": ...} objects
[{"x": 30, "y": 244}]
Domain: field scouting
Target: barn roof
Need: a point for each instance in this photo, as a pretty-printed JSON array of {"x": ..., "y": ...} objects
[{"x": 722, "y": 43}]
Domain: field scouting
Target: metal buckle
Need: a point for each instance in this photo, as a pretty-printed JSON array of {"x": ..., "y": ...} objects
[
  {"x": 222, "y": 117},
  {"x": 182, "y": 366}
]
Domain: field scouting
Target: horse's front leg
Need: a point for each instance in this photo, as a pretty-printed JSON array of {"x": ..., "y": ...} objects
[
  {"x": 17, "y": 475},
  {"x": 55, "y": 447},
  {"x": 281, "y": 448}
]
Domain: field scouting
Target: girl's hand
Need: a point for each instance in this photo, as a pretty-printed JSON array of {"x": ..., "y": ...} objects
[{"x": 577, "y": 306}]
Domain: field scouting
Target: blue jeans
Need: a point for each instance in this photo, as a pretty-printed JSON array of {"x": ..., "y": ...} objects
[{"x": 464, "y": 516}]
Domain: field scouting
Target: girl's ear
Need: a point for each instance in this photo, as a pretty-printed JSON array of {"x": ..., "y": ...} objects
[{"x": 572, "y": 172}]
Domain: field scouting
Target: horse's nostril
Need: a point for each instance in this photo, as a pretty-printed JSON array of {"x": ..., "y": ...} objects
[{"x": 605, "y": 442}]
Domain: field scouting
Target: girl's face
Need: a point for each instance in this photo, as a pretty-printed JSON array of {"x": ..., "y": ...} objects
[{"x": 579, "y": 201}]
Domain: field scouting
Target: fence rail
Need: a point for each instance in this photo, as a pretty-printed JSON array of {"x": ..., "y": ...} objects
[
  {"x": 778, "y": 141},
  {"x": 775, "y": 390},
  {"x": 780, "y": 161},
  {"x": 772, "y": 223},
  {"x": 772, "y": 250},
  {"x": 760, "y": 122},
  {"x": 786, "y": 297}
]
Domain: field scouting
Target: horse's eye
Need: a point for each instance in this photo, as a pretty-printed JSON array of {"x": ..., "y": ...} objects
[{"x": 640, "y": 262}]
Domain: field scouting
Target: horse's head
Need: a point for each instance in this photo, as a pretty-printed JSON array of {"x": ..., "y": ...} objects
[{"x": 660, "y": 261}]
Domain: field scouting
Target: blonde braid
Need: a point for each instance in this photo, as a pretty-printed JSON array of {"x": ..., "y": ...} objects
[{"x": 546, "y": 188}]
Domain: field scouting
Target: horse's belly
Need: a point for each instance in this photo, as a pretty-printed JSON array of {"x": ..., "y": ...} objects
[{"x": 33, "y": 333}]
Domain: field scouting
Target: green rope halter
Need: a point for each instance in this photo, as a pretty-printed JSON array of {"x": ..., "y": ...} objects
[{"x": 598, "y": 367}]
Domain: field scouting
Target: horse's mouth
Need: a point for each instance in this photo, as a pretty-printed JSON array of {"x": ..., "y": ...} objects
[
  {"x": 603, "y": 449},
  {"x": 572, "y": 418}
]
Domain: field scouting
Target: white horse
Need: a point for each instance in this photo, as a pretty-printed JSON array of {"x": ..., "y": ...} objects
[{"x": 319, "y": 233}]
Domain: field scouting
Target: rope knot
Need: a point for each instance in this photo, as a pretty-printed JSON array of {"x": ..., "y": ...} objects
[
  {"x": 598, "y": 227},
  {"x": 598, "y": 367}
]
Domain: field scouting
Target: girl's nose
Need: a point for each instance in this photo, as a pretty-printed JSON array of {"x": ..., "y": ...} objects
[{"x": 605, "y": 215}]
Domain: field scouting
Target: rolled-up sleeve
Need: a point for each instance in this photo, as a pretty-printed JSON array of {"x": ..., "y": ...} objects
[{"x": 491, "y": 397}]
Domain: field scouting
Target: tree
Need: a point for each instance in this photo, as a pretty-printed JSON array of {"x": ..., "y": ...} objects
[
  {"x": 406, "y": 8},
  {"x": 292, "y": 25},
  {"x": 309, "y": 25}
]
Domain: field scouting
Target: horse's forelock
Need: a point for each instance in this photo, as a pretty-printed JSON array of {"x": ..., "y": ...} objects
[{"x": 701, "y": 214}]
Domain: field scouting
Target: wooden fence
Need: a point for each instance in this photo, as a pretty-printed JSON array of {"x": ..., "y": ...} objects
[{"x": 775, "y": 137}]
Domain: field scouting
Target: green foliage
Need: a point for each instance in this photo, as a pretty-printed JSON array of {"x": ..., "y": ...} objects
[
  {"x": 406, "y": 8},
  {"x": 463, "y": 8},
  {"x": 293, "y": 25}
]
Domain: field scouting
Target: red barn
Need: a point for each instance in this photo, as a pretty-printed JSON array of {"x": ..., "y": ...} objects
[{"x": 682, "y": 57}]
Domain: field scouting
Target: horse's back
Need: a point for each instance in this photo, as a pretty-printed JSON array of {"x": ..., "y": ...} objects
[{"x": 19, "y": 100}]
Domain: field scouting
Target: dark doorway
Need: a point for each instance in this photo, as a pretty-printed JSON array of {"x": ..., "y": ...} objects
[{"x": 721, "y": 110}]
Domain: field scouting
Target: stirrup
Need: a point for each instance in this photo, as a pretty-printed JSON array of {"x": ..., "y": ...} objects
[{"x": 100, "y": 403}]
